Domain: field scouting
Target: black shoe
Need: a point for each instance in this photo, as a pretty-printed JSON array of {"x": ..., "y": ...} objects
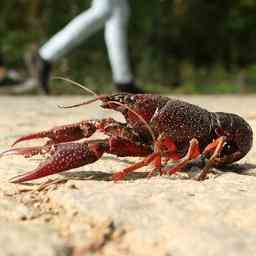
[
  {"x": 177, "y": 83},
  {"x": 128, "y": 87},
  {"x": 41, "y": 71},
  {"x": 11, "y": 78}
]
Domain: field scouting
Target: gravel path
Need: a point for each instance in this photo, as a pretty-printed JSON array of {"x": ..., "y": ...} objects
[{"x": 87, "y": 214}]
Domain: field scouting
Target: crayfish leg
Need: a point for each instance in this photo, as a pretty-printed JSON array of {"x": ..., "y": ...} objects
[
  {"x": 217, "y": 147},
  {"x": 122, "y": 174},
  {"x": 192, "y": 153},
  {"x": 162, "y": 143}
]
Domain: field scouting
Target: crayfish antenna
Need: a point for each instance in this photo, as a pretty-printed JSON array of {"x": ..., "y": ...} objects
[
  {"x": 75, "y": 83},
  {"x": 97, "y": 97},
  {"x": 83, "y": 103}
]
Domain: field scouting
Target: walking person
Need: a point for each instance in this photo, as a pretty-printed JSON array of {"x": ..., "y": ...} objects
[{"x": 113, "y": 15}]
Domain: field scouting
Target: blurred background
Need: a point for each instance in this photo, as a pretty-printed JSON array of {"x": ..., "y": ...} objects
[{"x": 176, "y": 46}]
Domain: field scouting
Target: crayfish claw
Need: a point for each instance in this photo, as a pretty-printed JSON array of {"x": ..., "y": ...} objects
[
  {"x": 44, "y": 169},
  {"x": 21, "y": 178},
  {"x": 61, "y": 157},
  {"x": 26, "y": 151},
  {"x": 38, "y": 135}
]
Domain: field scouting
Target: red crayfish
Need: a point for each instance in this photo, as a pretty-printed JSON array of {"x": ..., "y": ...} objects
[{"x": 157, "y": 128}]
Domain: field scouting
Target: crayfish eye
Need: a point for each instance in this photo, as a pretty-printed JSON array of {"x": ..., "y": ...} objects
[{"x": 128, "y": 99}]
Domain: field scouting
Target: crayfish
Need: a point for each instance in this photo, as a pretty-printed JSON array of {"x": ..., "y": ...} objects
[{"x": 157, "y": 128}]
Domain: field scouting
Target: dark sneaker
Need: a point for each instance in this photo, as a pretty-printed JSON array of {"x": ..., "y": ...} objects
[
  {"x": 9, "y": 78},
  {"x": 12, "y": 82},
  {"x": 177, "y": 83},
  {"x": 40, "y": 70},
  {"x": 128, "y": 87}
]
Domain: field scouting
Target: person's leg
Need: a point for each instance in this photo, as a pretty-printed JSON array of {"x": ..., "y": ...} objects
[
  {"x": 80, "y": 28},
  {"x": 71, "y": 36},
  {"x": 117, "y": 46}
]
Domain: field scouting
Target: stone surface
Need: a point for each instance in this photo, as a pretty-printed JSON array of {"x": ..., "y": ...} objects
[
  {"x": 91, "y": 214},
  {"x": 26, "y": 240}
]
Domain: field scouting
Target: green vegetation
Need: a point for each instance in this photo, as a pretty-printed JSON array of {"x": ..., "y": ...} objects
[{"x": 210, "y": 45}]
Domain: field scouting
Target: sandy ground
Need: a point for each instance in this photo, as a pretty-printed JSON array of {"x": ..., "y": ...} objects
[{"x": 88, "y": 214}]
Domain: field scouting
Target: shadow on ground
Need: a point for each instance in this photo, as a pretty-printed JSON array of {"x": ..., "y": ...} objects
[{"x": 193, "y": 169}]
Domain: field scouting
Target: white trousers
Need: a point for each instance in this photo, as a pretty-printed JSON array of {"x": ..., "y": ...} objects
[{"x": 114, "y": 15}]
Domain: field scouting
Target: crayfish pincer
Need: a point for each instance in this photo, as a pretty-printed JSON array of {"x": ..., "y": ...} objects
[{"x": 157, "y": 128}]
